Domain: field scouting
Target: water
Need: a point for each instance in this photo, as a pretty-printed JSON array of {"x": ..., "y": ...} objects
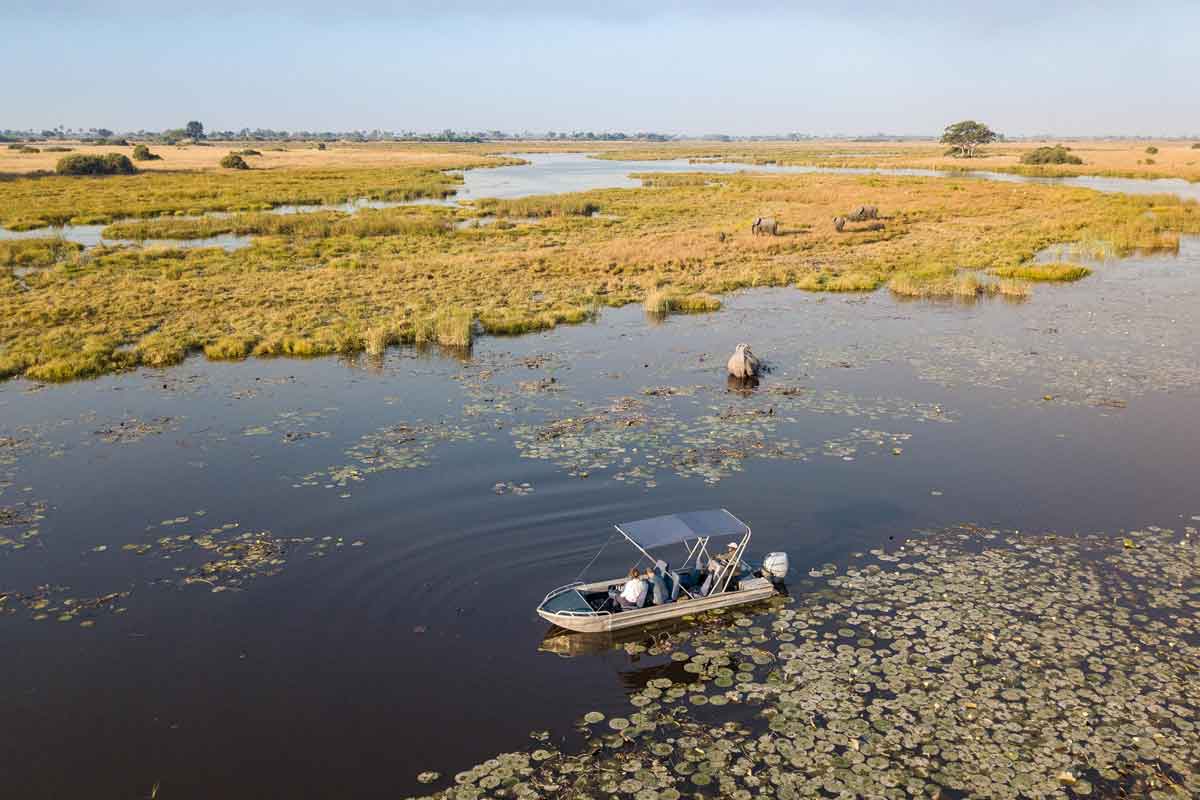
[
  {"x": 555, "y": 173},
  {"x": 349, "y": 673}
]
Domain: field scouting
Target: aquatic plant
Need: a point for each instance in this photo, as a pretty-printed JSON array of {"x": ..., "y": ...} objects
[
  {"x": 664, "y": 300},
  {"x": 1055, "y": 271},
  {"x": 108, "y": 164},
  {"x": 234, "y": 161},
  {"x": 450, "y": 327},
  {"x": 538, "y": 206}
]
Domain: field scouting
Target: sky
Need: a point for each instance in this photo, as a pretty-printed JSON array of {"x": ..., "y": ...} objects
[{"x": 1063, "y": 68}]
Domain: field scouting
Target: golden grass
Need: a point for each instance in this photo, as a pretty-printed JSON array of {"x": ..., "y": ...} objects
[
  {"x": 1056, "y": 271},
  {"x": 31, "y": 202},
  {"x": 539, "y": 206},
  {"x": 297, "y": 294},
  {"x": 39, "y": 252},
  {"x": 662, "y": 301}
]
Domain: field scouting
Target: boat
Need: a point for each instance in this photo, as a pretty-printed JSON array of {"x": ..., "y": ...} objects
[{"x": 730, "y": 579}]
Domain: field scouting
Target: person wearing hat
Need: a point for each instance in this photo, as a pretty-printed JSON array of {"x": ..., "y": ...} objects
[{"x": 715, "y": 565}]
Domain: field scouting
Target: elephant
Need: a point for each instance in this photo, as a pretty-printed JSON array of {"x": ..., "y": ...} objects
[
  {"x": 863, "y": 213},
  {"x": 839, "y": 223},
  {"x": 765, "y": 225},
  {"x": 743, "y": 363}
]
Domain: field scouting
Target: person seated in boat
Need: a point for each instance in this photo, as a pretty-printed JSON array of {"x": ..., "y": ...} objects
[
  {"x": 671, "y": 582},
  {"x": 658, "y": 586},
  {"x": 715, "y": 565},
  {"x": 633, "y": 593}
]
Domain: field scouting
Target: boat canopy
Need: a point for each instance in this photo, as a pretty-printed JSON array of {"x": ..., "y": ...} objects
[{"x": 673, "y": 528}]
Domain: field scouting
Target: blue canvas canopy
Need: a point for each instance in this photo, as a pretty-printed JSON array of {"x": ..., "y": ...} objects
[{"x": 672, "y": 528}]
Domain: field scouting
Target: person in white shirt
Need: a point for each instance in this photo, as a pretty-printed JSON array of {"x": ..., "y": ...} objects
[{"x": 634, "y": 592}]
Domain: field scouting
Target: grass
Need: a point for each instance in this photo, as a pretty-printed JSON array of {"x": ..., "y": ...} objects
[
  {"x": 542, "y": 206},
  {"x": 663, "y": 301},
  {"x": 39, "y": 252},
  {"x": 947, "y": 282},
  {"x": 313, "y": 225},
  {"x": 52, "y": 200},
  {"x": 1057, "y": 271},
  {"x": 321, "y": 283}
]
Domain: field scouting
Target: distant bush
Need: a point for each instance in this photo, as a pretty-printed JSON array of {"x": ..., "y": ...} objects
[
  {"x": 108, "y": 164},
  {"x": 320, "y": 145},
  {"x": 142, "y": 153},
  {"x": 1196, "y": 145},
  {"x": 1152, "y": 150},
  {"x": 111, "y": 142},
  {"x": 1051, "y": 155},
  {"x": 57, "y": 149},
  {"x": 16, "y": 145},
  {"x": 234, "y": 161},
  {"x": 28, "y": 149},
  {"x": 246, "y": 152},
  {"x": 1150, "y": 161}
]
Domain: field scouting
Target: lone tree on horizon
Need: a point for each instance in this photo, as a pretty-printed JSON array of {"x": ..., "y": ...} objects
[
  {"x": 966, "y": 136},
  {"x": 195, "y": 130}
]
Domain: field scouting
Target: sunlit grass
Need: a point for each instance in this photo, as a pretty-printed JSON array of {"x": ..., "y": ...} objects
[
  {"x": 1056, "y": 271},
  {"x": 327, "y": 282},
  {"x": 543, "y": 206}
]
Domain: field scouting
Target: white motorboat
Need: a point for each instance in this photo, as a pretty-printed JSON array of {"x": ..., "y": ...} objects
[{"x": 705, "y": 581}]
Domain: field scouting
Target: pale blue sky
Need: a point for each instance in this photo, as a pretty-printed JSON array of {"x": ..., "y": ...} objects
[{"x": 860, "y": 66}]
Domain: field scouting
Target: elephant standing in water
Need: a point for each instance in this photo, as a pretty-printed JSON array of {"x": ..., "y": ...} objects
[
  {"x": 743, "y": 364},
  {"x": 765, "y": 225}
]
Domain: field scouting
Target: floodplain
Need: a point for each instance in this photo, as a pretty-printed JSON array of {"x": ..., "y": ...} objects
[{"x": 987, "y": 493}]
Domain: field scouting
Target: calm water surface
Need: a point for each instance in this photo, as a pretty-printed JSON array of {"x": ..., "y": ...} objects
[{"x": 407, "y": 640}]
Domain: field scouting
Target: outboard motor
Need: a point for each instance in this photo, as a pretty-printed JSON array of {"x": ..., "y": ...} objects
[{"x": 775, "y": 567}]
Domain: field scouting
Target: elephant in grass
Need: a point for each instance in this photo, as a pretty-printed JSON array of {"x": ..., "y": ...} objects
[
  {"x": 839, "y": 224},
  {"x": 765, "y": 225},
  {"x": 863, "y": 213},
  {"x": 743, "y": 363}
]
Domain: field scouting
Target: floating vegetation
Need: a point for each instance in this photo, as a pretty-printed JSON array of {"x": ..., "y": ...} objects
[
  {"x": 48, "y": 601},
  {"x": 134, "y": 430},
  {"x": 1056, "y": 271},
  {"x": 394, "y": 447},
  {"x": 512, "y": 488},
  {"x": 973, "y": 662},
  {"x": 20, "y": 515}
]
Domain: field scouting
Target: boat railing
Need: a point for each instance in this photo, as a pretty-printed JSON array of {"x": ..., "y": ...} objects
[
  {"x": 562, "y": 589},
  {"x": 581, "y": 613}
]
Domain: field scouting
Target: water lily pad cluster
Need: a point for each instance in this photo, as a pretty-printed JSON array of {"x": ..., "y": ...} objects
[
  {"x": 60, "y": 604},
  {"x": 132, "y": 429},
  {"x": 394, "y": 447},
  {"x": 969, "y": 662},
  {"x": 14, "y": 518}
]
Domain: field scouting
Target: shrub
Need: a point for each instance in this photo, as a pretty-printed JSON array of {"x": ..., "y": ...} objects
[
  {"x": 1051, "y": 155},
  {"x": 320, "y": 145},
  {"x": 1196, "y": 145},
  {"x": 247, "y": 152},
  {"x": 56, "y": 149},
  {"x": 16, "y": 146},
  {"x": 234, "y": 161},
  {"x": 142, "y": 153},
  {"x": 28, "y": 149},
  {"x": 1152, "y": 150},
  {"x": 108, "y": 164}
]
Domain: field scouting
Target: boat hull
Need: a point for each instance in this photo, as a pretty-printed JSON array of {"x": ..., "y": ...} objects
[{"x": 751, "y": 591}]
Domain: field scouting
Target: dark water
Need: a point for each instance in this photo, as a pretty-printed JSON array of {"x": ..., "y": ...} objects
[{"x": 418, "y": 649}]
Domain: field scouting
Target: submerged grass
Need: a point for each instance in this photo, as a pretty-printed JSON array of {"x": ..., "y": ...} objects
[{"x": 322, "y": 283}]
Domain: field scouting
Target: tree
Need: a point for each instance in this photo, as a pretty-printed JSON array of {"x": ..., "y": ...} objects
[
  {"x": 195, "y": 130},
  {"x": 966, "y": 136}
]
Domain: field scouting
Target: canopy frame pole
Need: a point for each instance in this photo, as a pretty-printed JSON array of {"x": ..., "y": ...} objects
[
  {"x": 734, "y": 562},
  {"x": 641, "y": 549}
]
